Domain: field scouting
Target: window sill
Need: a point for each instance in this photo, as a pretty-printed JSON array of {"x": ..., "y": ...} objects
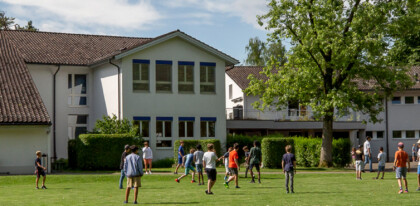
[
  {"x": 141, "y": 91},
  {"x": 164, "y": 92},
  {"x": 179, "y": 92},
  {"x": 164, "y": 148},
  {"x": 208, "y": 93}
]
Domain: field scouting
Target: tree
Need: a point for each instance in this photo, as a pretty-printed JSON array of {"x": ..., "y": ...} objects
[
  {"x": 258, "y": 53},
  {"x": 336, "y": 46},
  {"x": 6, "y": 22},
  {"x": 113, "y": 125},
  {"x": 28, "y": 27}
]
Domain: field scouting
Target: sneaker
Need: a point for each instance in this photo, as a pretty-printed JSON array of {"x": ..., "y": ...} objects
[
  {"x": 375, "y": 178},
  {"x": 37, "y": 188},
  {"x": 252, "y": 181},
  {"x": 175, "y": 173},
  {"x": 382, "y": 178},
  {"x": 207, "y": 192},
  {"x": 237, "y": 187},
  {"x": 177, "y": 180},
  {"x": 292, "y": 191},
  {"x": 406, "y": 191},
  {"x": 43, "y": 187},
  {"x": 259, "y": 181},
  {"x": 287, "y": 191},
  {"x": 227, "y": 185},
  {"x": 418, "y": 189},
  {"x": 125, "y": 202},
  {"x": 192, "y": 181},
  {"x": 135, "y": 202},
  {"x": 401, "y": 191},
  {"x": 150, "y": 172},
  {"x": 121, "y": 187},
  {"x": 210, "y": 193}
]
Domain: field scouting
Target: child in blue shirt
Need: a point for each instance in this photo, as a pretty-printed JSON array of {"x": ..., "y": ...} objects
[{"x": 187, "y": 162}]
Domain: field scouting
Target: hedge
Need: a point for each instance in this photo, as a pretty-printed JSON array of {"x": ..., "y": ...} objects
[
  {"x": 341, "y": 152},
  {"x": 244, "y": 140},
  {"x": 102, "y": 151},
  {"x": 188, "y": 144},
  {"x": 273, "y": 150}
]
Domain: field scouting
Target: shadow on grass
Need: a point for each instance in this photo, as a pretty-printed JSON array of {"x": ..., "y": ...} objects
[{"x": 171, "y": 203}]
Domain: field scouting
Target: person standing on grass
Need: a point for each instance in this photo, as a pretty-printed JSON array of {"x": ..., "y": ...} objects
[
  {"x": 233, "y": 166},
  {"x": 400, "y": 166},
  {"x": 39, "y": 170},
  {"x": 123, "y": 156},
  {"x": 353, "y": 157},
  {"x": 147, "y": 157},
  {"x": 359, "y": 162},
  {"x": 246, "y": 151},
  {"x": 288, "y": 164},
  {"x": 255, "y": 159},
  {"x": 418, "y": 166},
  {"x": 381, "y": 163},
  {"x": 209, "y": 163},
  {"x": 133, "y": 169},
  {"x": 413, "y": 153},
  {"x": 198, "y": 160},
  {"x": 187, "y": 162},
  {"x": 181, "y": 154},
  {"x": 368, "y": 155}
]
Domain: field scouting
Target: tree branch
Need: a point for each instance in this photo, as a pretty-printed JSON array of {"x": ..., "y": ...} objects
[{"x": 350, "y": 18}]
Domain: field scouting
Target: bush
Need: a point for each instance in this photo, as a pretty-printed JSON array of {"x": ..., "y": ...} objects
[
  {"x": 102, "y": 151},
  {"x": 163, "y": 163},
  {"x": 244, "y": 140},
  {"x": 308, "y": 151},
  {"x": 189, "y": 144},
  {"x": 341, "y": 152},
  {"x": 273, "y": 150}
]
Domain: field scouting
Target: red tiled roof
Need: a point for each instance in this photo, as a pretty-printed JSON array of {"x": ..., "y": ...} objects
[{"x": 20, "y": 102}]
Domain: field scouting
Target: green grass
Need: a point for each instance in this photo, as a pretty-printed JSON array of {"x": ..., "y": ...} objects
[{"x": 311, "y": 189}]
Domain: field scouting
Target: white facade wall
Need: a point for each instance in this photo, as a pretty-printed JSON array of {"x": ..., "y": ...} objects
[
  {"x": 174, "y": 104},
  {"x": 237, "y": 94},
  {"x": 18, "y": 145}
]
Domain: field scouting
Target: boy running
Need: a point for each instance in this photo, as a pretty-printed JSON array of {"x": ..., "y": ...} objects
[
  {"x": 198, "y": 159},
  {"x": 233, "y": 166},
  {"x": 209, "y": 161},
  {"x": 289, "y": 167},
  {"x": 133, "y": 169},
  {"x": 255, "y": 159},
  {"x": 39, "y": 170},
  {"x": 188, "y": 159},
  {"x": 381, "y": 163},
  {"x": 400, "y": 166}
]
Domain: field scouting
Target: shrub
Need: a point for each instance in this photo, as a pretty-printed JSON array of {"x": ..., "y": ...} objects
[
  {"x": 244, "y": 140},
  {"x": 102, "y": 151},
  {"x": 273, "y": 150},
  {"x": 188, "y": 144},
  {"x": 341, "y": 152},
  {"x": 163, "y": 163},
  {"x": 113, "y": 125},
  {"x": 307, "y": 151}
]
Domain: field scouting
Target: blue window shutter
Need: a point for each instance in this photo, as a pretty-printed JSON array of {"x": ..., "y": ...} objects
[
  {"x": 163, "y": 62},
  {"x": 164, "y": 118},
  {"x": 208, "y": 119},
  {"x": 185, "y": 63},
  {"x": 186, "y": 118},
  {"x": 141, "y": 61},
  {"x": 141, "y": 118},
  {"x": 207, "y": 64}
]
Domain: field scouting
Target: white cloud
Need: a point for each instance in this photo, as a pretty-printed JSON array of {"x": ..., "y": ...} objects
[{"x": 77, "y": 15}]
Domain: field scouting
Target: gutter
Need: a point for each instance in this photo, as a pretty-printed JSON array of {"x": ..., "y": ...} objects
[
  {"x": 119, "y": 87},
  {"x": 55, "y": 115},
  {"x": 387, "y": 129}
]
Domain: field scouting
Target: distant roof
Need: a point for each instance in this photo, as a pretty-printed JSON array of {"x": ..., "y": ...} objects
[
  {"x": 20, "y": 102},
  {"x": 239, "y": 74}
]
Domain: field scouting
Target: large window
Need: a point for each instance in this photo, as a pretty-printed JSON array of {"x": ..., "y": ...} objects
[
  {"x": 380, "y": 134},
  {"x": 208, "y": 127},
  {"x": 77, "y": 124},
  {"x": 410, "y": 134},
  {"x": 186, "y": 77},
  {"x": 396, "y": 134},
  {"x": 163, "y": 76},
  {"x": 409, "y": 100},
  {"x": 396, "y": 100},
  {"x": 143, "y": 124},
  {"x": 186, "y": 126},
  {"x": 77, "y": 89},
  {"x": 164, "y": 127},
  {"x": 207, "y": 77},
  {"x": 141, "y": 75}
]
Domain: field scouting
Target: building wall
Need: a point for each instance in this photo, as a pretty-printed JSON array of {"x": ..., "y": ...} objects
[
  {"x": 18, "y": 155},
  {"x": 237, "y": 94},
  {"x": 175, "y": 105}
]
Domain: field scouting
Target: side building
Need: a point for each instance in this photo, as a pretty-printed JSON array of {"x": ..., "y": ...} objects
[{"x": 399, "y": 119}]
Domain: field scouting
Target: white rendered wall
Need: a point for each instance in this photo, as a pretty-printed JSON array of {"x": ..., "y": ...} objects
[
  {"x": 173, "y": 104},
  {"x": 18, "y": 145},
  {"x": 236, "y": 93}
]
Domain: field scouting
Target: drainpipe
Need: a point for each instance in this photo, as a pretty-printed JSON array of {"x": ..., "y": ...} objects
[
  {"x": 54, "y": 115},
  {"x": 387, "y": 129},
  {"x": 119, "y": 95}
]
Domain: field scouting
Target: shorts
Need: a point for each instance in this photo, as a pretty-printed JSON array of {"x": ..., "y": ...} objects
[
  {"x": 187, "y": 169},
  {"x": 257, "y": 166},
  {"x": 211, "y": 174},
  {"x": 401, "y": 172},
  {"x": 199, "y": 168},
  {"x": 381, "y": 168},
  {"x": 418, "y": 169},
  {"x": 227, "y": 166},
  {"x": 359, "y": 165},
  {"x": 133, "y": 182},
  {"x": 233, "y": 171},
  {"x": 148, "y": 161},
  {"x": 180, "y": 160},
  {"x": 40, "y": 172}
]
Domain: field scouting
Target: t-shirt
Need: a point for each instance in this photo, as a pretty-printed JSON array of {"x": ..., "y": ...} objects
[
  {"x": 232, "y": 156},
  {"x": 188, "y": 160},
  {"x": 123, "y": 156},
  {"x": 255, "y": 155},
  {"x": 181, "y": 149},
  {"x": 210, "y": 159},
  {"x": 366, "y": 146},
  {"x": 401, "y": 157},
  {"x": 147, "y": 153},
  {"x": 413, "y": 149},
  {"x": 198, "y": 157},
  {"x": 381, "y": 158},
  {"x": 359, "y": 155},
  {"x": 288, "y": 159},
  {"x": 38, "y": 160}
]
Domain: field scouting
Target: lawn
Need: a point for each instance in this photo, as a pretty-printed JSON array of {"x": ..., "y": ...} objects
[{"x": 312, "y": 188}]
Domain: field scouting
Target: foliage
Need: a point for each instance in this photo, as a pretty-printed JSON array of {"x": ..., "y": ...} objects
[
  {"x": 191, "y": 144},
  {"x": 7, "y": 23},
  {"x": 244, "y": 140},
  {"x": 273, "y": 150},
  {"x": 28, "y": 27},
  {"x": 341, "y": 152},
  {"x": 102, "y": 151},
  {"x": 112, "y": 125},
  {"x": 163, "y": 163},
  {"x": 307, "y": 151},
  {"x": 336, "y": 46},
  {"x": 259, "y": 52}
]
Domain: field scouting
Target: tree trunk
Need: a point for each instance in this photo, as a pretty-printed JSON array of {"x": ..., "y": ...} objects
[{"x": 327, "y": 138}]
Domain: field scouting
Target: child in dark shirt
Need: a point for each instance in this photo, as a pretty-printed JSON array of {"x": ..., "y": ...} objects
[
  {"x": 288, "y": 164},
  {"x": 39, "y": 170}
]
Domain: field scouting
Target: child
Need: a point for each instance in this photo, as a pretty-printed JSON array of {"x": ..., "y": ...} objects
[
  {"x": 288, "y": 164},
  {"x": 246, "y": 150},
  {"x": 180, "y": 156},
  {"x": 400, "y": 166},
  {"x": 353, "y": 157},
  {"x": 255, "y": 157},
  {"x": 359, "y": 157},
  {"x": 209, "y": 161},
  {"x": 188, "y": 159},
  {"x": 233, "y": 166},
  {"x": 147, "y": 157},
  {"x": 226, "y": 162},
  {"x": 39, "y": 170},
  {"x": 418, "y": 166},
  {"x": 381, "y": 163},
  {"x": 123, "y": 156},
  {"x": 198, "y": 159},
  {"x": 133, "y": 169},
  {"x": 413, "y": 152}
]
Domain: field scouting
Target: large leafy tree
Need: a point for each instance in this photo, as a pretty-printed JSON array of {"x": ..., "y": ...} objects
[
  {"x": 337, "y": 45},
  {"x": 259, "y": 52}
]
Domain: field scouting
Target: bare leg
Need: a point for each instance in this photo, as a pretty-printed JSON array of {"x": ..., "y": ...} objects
[
  {"x": 236, "y": 180},
  {"x": 177, "y": 167},
  {"x": 193, "y": 176},
  {"x": 37, "y": 180},
  {"x": 399, "y": 183},
  {"x": 145, "y": 165},
  {"x": 150, "y": 166},
  {"x": 136, "y": 192},
  {"x": 259, "y": 176},
  {"x": 405, "y": 182},
  {"x": 418, "y": 180},
  {"x": 127, "y": 193},
  {"x": 182, "y": 176},
  {"x": 252, "y": 175},
  {"x": 383, "y": 173},
  {"x": 43, "y": 181}
]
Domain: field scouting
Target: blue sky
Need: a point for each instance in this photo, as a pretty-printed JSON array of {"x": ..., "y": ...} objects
[{"x": 226, "y": 25}]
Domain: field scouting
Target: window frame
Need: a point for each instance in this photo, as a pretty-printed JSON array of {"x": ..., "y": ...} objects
[
  {"x": 140, "y": 81},
  {"x": 393, "y": 136},
  {"x": 139, "y": 120},
  {"x": 184, "y": 66},
  {"x": 164, "y": 62},
  {"x": 207, "y": 121},
  {"x": 206, "y": 82},
  {"x": 394, "y": 101},
  {"x": 71, "y": 95},
  {"x": 185, "y": 121},
  {"x": 405, "y": 99},
  {"x": 71, "y": 128}
]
